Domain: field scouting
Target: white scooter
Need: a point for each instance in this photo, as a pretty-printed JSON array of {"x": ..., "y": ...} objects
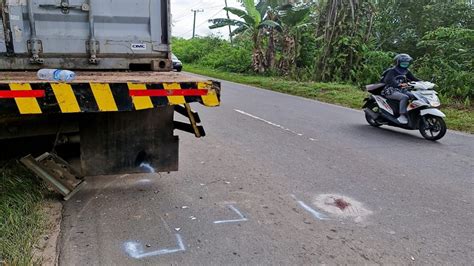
[{"x": 423, "y": 113}]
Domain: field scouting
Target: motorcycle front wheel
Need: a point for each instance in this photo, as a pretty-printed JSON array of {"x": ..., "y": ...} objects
[{"x": 433, "y": 128}]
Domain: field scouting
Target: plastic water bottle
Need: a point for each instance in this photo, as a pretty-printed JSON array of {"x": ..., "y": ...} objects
[{"x": 56, "y": 75}]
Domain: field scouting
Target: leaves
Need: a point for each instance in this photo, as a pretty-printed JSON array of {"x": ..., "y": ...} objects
[
  {"x": 270, "y": 23},
  {"x": 355, "y": 40},
  {"x": 224, "y": 22},
  {"x": 252, "y": 11},
  {"x": 242, "y": 14},
  {"x": 239, "y": 30},
  {"x": 292, "y": 17},
  {"x": 449, "y": 54}
]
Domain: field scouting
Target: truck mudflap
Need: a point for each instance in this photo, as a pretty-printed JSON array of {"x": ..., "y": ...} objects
[{"x": 90, "y": 97}]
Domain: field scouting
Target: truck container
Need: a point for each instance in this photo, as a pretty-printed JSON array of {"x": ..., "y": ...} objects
[
  {"x": 85, "y": 34},
  {"x": 120, "y": 110}
]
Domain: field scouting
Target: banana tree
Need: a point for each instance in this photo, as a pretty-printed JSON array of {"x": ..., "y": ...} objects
[
  {"x": 292, "y": 20},
  {"x": 251, "y": 21},
  {"x": 270, "y": 9}
]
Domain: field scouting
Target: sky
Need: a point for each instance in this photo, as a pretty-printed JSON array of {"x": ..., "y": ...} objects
[{"x": 182, "y": 17}]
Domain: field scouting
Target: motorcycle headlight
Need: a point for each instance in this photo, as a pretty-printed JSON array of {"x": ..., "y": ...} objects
[
  {"x": 433, "y": 100},
  {"x": 435, "y": 103}
]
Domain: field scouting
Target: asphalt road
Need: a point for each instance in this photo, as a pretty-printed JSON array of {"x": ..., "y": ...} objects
[{"x": 284, "y": 180}]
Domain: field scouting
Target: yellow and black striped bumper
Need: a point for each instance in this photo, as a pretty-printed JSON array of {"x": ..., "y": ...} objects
[{"x": 47, "y": 98}]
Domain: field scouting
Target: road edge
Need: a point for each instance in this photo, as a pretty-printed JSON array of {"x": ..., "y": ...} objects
[
  {"x": 465, "y": 134},
  {"x": 46, "y": 252}
]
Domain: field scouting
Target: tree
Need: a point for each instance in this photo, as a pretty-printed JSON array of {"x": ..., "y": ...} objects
[
  {"x": 292, "y": 20},
  {"x": 400, "y": 26},
  {"x": 251, "y": 22},
  {"x": 271, "y": 9},
  {"x": 449, "y": 56},
  {"x": 343, "y": 31}
]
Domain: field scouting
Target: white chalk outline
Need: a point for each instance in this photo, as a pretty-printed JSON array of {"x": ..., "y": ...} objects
[
  {"x": 135, "y": 249},
  {"x": 315, "y": 213},
  {"x": 148, "y": 167},
  {"x": 242, "y": 217}
]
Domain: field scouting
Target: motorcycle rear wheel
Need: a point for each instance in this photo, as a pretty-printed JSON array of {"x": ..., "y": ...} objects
[
  {"x": 433, "y": 128},
  {"x": 374, "y": 108}
]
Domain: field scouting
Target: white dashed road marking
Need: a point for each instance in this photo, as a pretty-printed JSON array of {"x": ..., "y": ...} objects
[{"x": 273, "y": 124}]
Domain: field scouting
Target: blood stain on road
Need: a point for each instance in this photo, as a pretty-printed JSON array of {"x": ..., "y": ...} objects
[
  {"x": 341, "y": 203},
  {"x": 342, "y": 207}
]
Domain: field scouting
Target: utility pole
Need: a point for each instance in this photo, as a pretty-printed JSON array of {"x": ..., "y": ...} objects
[
  {"x": 230, "y": 28},
  {"x": 194, "y": 23}
]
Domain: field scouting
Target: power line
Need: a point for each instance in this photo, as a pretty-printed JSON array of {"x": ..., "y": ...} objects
[
  {"x": 204, "y": 22},
  {"x": 184, "y": 14},
  {"x": 177, "y": 19}
]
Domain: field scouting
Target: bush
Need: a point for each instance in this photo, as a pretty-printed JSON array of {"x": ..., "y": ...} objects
[
  {"x": 372, "y": 67},
  {"x": 449, "y": 56},
  {"x": 215, "y": 53},
  {"x": 228, "y": 58},
  {"x": 191, "y": 51}
]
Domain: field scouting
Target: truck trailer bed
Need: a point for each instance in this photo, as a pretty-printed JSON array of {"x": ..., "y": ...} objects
[
  {"x": 105, "y": 77},
  {"x": 100, "y": 91}
]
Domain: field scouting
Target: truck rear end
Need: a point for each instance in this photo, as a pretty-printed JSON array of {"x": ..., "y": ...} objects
[{"x": 119, "y": 112}]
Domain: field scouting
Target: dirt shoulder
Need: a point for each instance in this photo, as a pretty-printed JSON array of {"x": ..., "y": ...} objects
[{"x": 46, "y": 251}]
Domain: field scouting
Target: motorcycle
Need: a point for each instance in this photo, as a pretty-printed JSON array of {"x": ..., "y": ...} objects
[{"x": 423, "y": 113}]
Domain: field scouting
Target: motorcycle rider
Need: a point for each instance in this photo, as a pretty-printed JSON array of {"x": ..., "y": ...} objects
[{"x": 395, "y": 80}]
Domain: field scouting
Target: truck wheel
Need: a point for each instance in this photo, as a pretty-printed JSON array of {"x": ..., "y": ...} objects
[
  {"x": 179, "y": 69},
  {"x": 432, "y": 127}
]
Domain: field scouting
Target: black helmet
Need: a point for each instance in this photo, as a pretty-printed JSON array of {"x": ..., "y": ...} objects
[{"x": 403, "y": 60}]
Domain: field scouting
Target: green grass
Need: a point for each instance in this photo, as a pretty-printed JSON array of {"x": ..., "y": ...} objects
[
  {"x": 21, "y": 220},
  {"x": 340, "y": 94},
  {"x": 460, "y": 119}
]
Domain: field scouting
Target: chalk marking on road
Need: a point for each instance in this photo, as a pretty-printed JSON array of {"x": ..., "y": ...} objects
[
  {"x": 135, "y": 249},
  {"x": 148, "y": 167},
  {"x": 242, "y": 217},
  {"x": 91, "y": 199},
  {"x": 272, "y": 124},
  {"x": 315, "y": 213},
  {"x": 342, "y": 206},
  {"x": 166, "y": 224}
]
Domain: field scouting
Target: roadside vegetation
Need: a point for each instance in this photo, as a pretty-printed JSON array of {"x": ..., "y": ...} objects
[
  {"x": 328, "y": 50},
  {"x": 21, "y": 220},
  {"x": 347, "y": 95}
]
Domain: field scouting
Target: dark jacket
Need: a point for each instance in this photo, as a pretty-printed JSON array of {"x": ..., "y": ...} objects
[{"x": 392, "y": 78}]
